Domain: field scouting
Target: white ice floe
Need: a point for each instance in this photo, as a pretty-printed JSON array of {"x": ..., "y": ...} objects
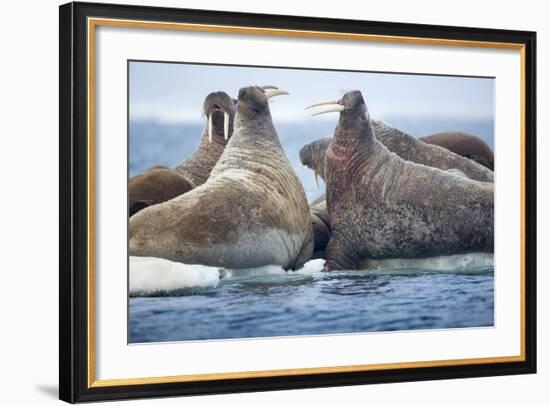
[
  {"x": 154, "y": 275},
  {"x": 150, "y": 276},
  {"x": 309, "y": 268},
  {"x": 462, "y": 262},
  {"x": 312, "y": 267}
]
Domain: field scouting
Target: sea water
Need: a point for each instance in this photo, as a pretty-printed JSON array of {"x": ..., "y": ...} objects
[{"x": 178, "y": 302}]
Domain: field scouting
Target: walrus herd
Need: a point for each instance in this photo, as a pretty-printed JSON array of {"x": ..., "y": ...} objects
[
  {"x": 251, "y": 211},
  {"x": 159, "y": 183},
  {"x": 237, "y": 202}
]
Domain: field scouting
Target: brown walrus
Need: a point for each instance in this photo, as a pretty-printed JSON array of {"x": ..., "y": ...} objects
[
  {"x": 252, "y": 210},
  {"x": 159, "y": 183},
  {"x": 466, "y": 145},
  {"x": 312, "y": 155},
  {"x": 383, "y": 206}
]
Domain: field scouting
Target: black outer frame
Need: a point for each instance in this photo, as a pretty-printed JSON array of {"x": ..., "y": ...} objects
[{"x": 73, "y": 292}]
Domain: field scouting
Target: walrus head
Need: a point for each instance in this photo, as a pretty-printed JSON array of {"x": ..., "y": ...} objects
[
  {"x": 354, "y": 115},
  {"x": 253, "y": 100},
  {"x": 350, "y": 104},
  {"x": 219, "y": 110},
  {"x": 312, "y": 155}
]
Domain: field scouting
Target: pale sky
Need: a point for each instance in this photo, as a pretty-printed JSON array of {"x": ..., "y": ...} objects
[{"x": 174, "y": 92}]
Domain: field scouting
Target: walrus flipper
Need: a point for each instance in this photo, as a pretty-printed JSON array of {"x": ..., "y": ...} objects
[
  {"x": 320, "y": 221},
  {"x": 338, "y": 258}
]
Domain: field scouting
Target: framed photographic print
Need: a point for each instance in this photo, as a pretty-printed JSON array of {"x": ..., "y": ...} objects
[{"x": 256, "y": 202}]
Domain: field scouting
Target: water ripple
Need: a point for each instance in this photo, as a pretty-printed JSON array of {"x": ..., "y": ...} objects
[{"x": 317, "y": 304}]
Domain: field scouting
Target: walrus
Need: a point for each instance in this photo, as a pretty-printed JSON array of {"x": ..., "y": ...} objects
[
  {"x": 160, "y": 183},
  {"x": 383, "y": 206},
  {"x": 436, "y": 152},
  {"x": 312, "y": 155},
  {"x": 466, "y": 145},
  {"x": 252, "y": 210}
]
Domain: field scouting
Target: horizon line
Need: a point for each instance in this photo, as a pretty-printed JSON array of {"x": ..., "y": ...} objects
[{"x": 298, "y": 120}]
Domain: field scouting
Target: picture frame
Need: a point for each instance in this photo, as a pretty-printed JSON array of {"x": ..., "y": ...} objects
[{"x": 77, "y": 284}]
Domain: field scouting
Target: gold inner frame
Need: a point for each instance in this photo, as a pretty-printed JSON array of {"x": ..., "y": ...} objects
[{"x": 94, "y": 22}]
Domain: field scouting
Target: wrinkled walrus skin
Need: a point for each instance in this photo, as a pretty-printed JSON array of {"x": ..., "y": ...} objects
[
  {"x": 437, "y": 153},
  {"x": 159, "y": 183},
  {"x": 382, "y": 206},
  {"x": 466, "y": 145},
  {"x": 252, "y": 210}
]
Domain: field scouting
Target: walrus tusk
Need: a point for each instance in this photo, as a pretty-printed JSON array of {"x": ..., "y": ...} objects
[
  {"x": 337, "y": 109},
  {"x": 316, "y": 180},
  {"x": 210, "y": 128},
  {"x": 269, "y": 93},
  {"x": 323, "y": 103},
  {"x": 225, "y": 125}
]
